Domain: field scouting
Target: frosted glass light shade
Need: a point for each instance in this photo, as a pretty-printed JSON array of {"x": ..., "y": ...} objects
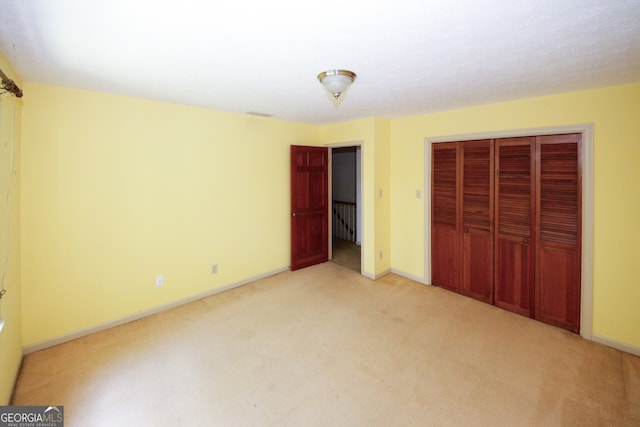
[{"x": 336, "y": 81}]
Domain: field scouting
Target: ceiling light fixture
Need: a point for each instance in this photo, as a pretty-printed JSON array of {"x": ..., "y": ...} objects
[{"x": 336, "y": 81}]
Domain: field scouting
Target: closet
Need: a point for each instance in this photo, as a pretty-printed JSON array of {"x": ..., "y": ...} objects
[{"x": 505, "y": 224}]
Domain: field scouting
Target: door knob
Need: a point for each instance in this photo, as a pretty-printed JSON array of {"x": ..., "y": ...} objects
[
  {"x": 525, "y": 240},
  {"x": 293, "y": 214}
]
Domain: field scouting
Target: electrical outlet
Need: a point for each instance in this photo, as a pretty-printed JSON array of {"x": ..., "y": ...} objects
[
  {"x": 418, "y": 194},
  {"x": 380, "y": 255},
  {"x": 159, "y": 280},
  {"x": 214, "y": 268}
]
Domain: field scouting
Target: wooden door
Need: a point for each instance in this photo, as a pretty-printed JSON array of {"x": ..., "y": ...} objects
[
  {"x": 558, "y": 220},
  {"x": 477, "y": 219},
  {"x": 309, "y": 206},
  {"x": 514, "y": 230},
  {"x": 445, "y": 218}
]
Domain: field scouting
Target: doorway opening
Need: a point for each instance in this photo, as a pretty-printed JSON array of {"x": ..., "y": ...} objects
[{"x": 346, "y": 207}]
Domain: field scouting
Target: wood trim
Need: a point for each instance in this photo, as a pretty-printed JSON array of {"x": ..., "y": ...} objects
[{"x": 584, "y": 128}]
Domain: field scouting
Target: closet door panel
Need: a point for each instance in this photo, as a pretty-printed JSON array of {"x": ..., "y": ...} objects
[
  {"x": 558, "y": 218},
  {"x": 514, "y": 211},
  {"x": 477, "y": 270},
  {"x": 477, "y": 219},
  {"x": 445, "y": 223},
  {"x": 446, "y": 258},
  {"x": 513, "y": 275},
  {"x": 557, "y": 296}
]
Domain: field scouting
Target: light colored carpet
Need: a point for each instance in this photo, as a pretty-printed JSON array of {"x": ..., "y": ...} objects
[{"x": 324, "y": 346}]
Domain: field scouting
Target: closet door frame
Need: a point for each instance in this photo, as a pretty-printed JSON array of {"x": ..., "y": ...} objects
[{"x": 586, "y": 288}]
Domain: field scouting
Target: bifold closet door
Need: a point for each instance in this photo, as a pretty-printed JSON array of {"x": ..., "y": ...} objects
[
  {"x": 462, "y": 217},
  {"x": 506, "y": 224},
  {"x": 445, "y": 236},
  {"x": 477, "y": 219},
  {"x": 514, "y": 234},
  {"x": 558, "y": 218}
]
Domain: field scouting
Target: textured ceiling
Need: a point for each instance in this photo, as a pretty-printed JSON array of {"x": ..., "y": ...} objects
[{"x": 241, "y": 56}]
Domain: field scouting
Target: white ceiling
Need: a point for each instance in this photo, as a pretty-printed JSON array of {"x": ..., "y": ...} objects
[{"x": 411, "y": 56}]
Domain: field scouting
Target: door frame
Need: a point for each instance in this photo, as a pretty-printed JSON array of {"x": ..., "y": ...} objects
[
  {"x": 587, "y": 131},
  {"x": 331, "y": 146}
]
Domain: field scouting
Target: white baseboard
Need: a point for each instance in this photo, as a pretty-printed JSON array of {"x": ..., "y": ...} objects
[
  {"x": 139, "y": 315},
  {"x": 376, "y": 276},
  {"x": 368, "y": 275},
  {"x": 410, "y": 276},
  {"x": 627, "y": 348}
]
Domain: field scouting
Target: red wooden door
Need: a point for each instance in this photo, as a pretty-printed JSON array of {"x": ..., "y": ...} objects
[
  {"x": 558, "y": 219},
  {"x": 309, "y": 206},
  {"x": 445, "y": 218},
  {"x": 477, "y": 219},
  {"x": 514, "y": 211}
]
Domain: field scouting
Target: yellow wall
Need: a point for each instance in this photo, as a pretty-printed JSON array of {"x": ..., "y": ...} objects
[
  {"x": 10, "y": 305},
  {"x": 615, "y": 113},
  {"x": 117, "y": 190},
  {"x": 383, "y": 196}
]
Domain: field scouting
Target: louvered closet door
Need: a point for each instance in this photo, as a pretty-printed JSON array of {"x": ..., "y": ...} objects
[
  {"x": 477, "y": 219},
  {"x": 445, "y": 247},
  {"x": 558, "y": 215},
  {"x": 514, "y": 211}
]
